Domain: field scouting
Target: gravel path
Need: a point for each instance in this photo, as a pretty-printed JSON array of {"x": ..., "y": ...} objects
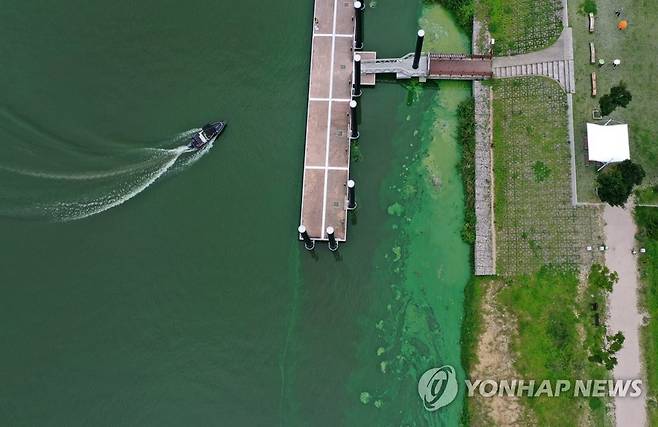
[{"x": 624, "y": 312}]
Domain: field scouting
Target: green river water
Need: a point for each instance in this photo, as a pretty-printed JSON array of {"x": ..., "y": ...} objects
[{"x": 193, "y": 303}]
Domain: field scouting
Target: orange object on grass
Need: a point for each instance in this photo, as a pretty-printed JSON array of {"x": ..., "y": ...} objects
[{"x": 623, "y": 24}]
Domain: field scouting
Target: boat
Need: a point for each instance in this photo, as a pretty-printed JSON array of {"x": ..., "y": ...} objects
[{"x": 206, "y": 135}]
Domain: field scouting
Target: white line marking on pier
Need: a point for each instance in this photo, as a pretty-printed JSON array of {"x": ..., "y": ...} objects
[
  {"x": 325, "y": 168},
  {"x": 330, "y": 99},
  {"x": 332, "y": 35},
  {"x": 331, "y": 92}
]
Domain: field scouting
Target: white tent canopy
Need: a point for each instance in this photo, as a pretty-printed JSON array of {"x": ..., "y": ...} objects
[{"x": 607, "y": 143}]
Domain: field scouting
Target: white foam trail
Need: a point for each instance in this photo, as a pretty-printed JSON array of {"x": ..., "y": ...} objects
[
  {"x": 79, "y": 176},
  {"x": 99, "y": 174},
  {"x": 192, "y": 159},
  {"x": 132, "y": 193},
  {"x": 91, "y": 197}
]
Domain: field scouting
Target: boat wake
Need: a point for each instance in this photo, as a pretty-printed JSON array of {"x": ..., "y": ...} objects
[{"x": 62, "y": 195}]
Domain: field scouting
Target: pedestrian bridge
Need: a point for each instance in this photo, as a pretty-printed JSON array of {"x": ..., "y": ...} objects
[{"x": 430, "y": 66}]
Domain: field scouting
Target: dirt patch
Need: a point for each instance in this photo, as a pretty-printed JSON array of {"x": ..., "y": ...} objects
[{"x": 496, "y": 361}]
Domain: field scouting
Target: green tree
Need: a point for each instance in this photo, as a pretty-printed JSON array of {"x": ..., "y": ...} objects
[
  {"x": 633, "y": 173},
  {"x": 606, "y": 355},
  {"x": 587, "y": 6},
  {"x": 615, "y": 184},
  {"x": 601, "y": 277},
  {"x": 619, "y": 96},
  {"x": 611, "y": 188},
  {"x": 615, "y": 342}
]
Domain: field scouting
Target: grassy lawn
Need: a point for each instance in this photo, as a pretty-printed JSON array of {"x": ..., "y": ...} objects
[
  {"x": 636, "y": 47},
  {"x": 521, "y": 26},
  {"x": 647, "y": 221},
  {"x": 541, "y": 239},
  {"x": 535, "y": 222},
  {"x": 592, "y": 303},
  {"x": 555, "y": 332},
  {"x": 546, "y": 342},
  {"x": 541, "y": 245},
  {"x": 647, "y": 195}
]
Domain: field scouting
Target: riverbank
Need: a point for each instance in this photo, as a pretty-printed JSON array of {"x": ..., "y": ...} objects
[{"x": 541, "y": 239}]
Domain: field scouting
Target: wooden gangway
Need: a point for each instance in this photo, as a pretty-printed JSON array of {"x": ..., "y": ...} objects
[
  {"x": 453, "y": 66},
  {"x": 327, "y": 149},
  {"x": 444, "y": 66}
]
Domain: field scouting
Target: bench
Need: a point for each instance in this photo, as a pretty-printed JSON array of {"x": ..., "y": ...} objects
[
  {"x": 593, "y": 83},
  {"x": 592, "y": 53},
  {"x": 591, "y": 22}
]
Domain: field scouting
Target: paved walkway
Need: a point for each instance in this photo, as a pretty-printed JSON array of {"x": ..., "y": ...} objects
[
  {"x": 624, "y": 313},
  {"x": 555, "y": 62}
]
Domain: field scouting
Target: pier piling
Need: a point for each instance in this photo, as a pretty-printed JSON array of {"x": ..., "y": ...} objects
[
  {"x": 358, "y": 24},
  {"x": 357, "y": 76},
  {"x": 333, "y": 244},
  {"x": 308, "y": 243},
  {"x": 351, "y": 195},
  {"x": 354, "y": 126},
  {"x": 419, "y": 48}
]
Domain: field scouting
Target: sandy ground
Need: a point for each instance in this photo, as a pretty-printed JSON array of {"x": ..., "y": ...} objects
[
  {"x": 624, "y": 313},
  {"x": 495, "y": 361}
]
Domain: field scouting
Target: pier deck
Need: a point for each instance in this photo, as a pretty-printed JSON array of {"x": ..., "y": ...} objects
[{"x": 327, "y": 154}]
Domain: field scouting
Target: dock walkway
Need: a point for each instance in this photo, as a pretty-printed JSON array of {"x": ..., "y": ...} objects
[
  {"x": 327, "y": 153},
  {"x": 444, "y": 66}
]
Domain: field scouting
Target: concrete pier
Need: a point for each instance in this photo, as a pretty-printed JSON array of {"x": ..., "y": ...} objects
[
  {"x": 331, "y": 121},
  {"x": 327, "y": 153}
]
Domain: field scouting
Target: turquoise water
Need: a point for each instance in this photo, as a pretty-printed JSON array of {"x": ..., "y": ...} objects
[{"x": 192, "y": 303}]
